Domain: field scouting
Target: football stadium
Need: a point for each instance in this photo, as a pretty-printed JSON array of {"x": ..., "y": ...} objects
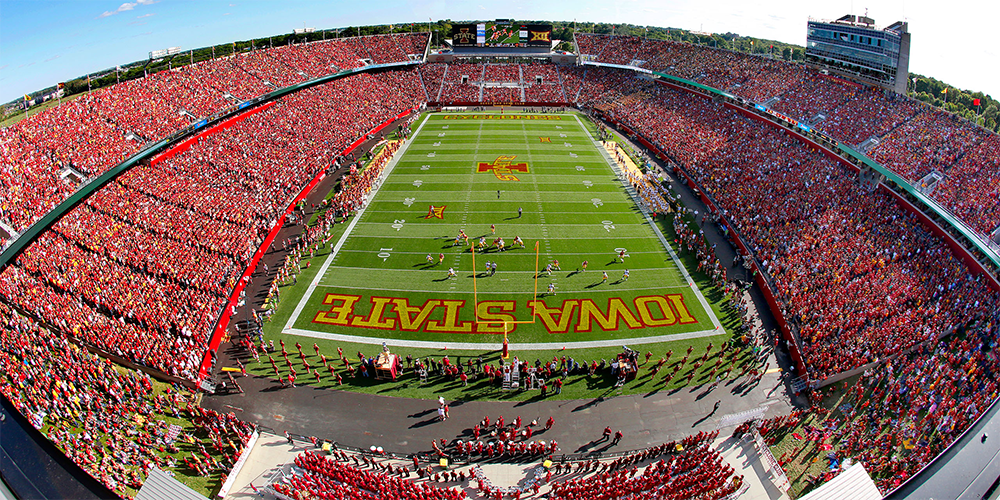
[{"x": 481, "y": 261}]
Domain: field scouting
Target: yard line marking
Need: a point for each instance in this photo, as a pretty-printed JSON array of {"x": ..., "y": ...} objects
[{"x": 347, "y": 232}]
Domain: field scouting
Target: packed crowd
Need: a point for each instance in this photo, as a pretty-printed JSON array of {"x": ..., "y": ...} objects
[
  {"x": 502, "y": 73},
  {"x": 432, "y": 75},
  {"x": 820, "y": 238},
  {"x": 107, "y": 419},
  {"x": 97, "y": 131},
  {"x": 326, "y": 478},
  {"x": 444, "y": 83},
  {"x": 973, "y": 186},
  {"x": 914, "y": 140},
  {"x": 934, "y": 140},
  {"x": 686, "y": 470},
  {"x": 898, "y": 417},
  {"x": 29, "y": 181},
  {"x": 143, "y": 267}
]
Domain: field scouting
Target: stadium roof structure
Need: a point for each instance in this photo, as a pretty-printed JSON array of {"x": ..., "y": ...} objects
[
  {"x": 162, "y": 486},
  {"x": 852, "y": 484}
]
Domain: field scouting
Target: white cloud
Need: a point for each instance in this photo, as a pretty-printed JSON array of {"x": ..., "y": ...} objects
[
  {"x": 145, "y": 15},
  {"x": 127, "y": 6}
]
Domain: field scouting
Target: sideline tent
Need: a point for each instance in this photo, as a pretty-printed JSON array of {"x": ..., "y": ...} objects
[{"x": 386, "y": 365}]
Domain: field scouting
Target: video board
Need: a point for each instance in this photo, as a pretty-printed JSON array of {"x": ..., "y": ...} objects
[{"x": 501, "y": 34}]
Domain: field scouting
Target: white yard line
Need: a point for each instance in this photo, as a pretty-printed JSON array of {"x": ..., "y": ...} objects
[
  {"x": 489, "y": 346},
  {"x": 350, "y": 227},
  {"x": 687, "y": 276}
]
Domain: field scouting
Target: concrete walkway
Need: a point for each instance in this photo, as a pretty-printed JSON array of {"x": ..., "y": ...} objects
[
  {"x": 271, "y": 457},
  {"x": 744, "y": 458}
]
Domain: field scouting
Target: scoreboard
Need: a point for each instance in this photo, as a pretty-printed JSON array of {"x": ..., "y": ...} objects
[{"x": 501, "y": 34}]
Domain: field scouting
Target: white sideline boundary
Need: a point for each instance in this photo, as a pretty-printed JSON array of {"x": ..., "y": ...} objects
[
  {"x": 496, "y": 346},
  {"x": 350, "y": 227},
  {"x": 656, "y": 230}
]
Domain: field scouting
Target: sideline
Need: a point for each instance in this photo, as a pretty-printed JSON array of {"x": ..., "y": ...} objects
[
  {"x": 488, "y": 346},
  {"x": 350, "y": 227}
]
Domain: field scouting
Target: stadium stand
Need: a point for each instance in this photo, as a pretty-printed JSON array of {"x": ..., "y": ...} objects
[
  {"x": 210, "y": 206},
  {"x": 912, "y": 139},
  {"x": 818, "y": 235},
  {"x": 107, "y": 420},
  {"x": 143, "y": 267}
]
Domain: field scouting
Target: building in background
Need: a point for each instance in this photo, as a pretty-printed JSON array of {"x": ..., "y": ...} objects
[{"x": 853, "y": 46}]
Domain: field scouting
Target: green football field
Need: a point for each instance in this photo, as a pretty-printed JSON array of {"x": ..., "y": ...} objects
[{"x": 478, "y": 171}]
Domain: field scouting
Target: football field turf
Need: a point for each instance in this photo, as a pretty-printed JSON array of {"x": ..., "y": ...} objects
[{"x": 537, "y": 177}]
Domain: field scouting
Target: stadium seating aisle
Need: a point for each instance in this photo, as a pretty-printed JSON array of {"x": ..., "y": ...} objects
[{"x": 108, "y": 420}]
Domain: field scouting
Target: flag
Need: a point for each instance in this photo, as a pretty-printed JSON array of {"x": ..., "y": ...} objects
[
  {"x": 975, "y": 102},
  {"x": 26, "y": 98},
  {"x": 944, "y": 91},
  {"x": 63, "y": 84}
]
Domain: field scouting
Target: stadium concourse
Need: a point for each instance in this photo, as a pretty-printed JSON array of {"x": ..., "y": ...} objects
[{"x": 140, "y": 270}]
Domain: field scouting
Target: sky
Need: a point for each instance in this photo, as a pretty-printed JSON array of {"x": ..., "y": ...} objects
[{"x": 43, "y": 42}]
